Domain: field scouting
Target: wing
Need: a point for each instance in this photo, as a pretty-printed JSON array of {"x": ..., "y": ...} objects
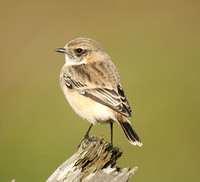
[
  {"x": 103, "y": 89},
  {"x": 110, "y": 98}
]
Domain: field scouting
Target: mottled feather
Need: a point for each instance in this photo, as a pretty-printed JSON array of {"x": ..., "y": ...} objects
[{"x": 101, "y": 85}]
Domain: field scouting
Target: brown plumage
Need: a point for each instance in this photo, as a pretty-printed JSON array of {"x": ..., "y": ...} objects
[{"x": 91, "y": 84}]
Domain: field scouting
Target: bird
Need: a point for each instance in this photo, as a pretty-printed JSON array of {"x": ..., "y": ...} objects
[{"x": 91, "y": 84}]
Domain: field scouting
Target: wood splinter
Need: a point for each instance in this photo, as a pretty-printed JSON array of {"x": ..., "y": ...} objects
[{"x": 94, "y": 161}]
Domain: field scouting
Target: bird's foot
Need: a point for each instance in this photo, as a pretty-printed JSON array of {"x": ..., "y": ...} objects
[{"x": 86, "y": 137}]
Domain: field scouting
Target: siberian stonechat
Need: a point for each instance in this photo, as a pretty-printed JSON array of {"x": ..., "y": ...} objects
[{"x": 91, "y": 84}]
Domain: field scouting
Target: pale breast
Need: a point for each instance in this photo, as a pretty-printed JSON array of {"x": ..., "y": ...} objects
[{"x": 86, "y": 108}]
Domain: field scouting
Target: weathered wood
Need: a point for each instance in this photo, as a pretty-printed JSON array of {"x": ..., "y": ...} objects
[{"x": 94, "y": 161}]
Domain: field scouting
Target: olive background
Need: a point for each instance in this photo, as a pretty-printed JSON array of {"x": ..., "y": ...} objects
[{"x": 155, "y": 47}]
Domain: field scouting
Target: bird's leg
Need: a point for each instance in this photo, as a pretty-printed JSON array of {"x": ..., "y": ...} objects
[
  {"x": 111, "y": 146},
  {"x": 87, "y": 133},
  {"x": 111, "y": 129}
]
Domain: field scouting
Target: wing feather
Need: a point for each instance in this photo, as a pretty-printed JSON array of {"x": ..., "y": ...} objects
[
  {"x": 106, "y": 96},
  {"x": 111, "y": 95}
]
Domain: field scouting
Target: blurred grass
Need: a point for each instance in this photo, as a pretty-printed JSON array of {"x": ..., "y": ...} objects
[{"x": 155, "y": 46}]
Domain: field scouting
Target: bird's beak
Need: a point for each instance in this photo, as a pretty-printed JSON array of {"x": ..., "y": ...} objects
[{"x": 61, "y": 50}]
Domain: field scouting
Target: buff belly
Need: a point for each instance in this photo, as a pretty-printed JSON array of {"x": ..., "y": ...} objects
[{"x": 88, "y": 109}]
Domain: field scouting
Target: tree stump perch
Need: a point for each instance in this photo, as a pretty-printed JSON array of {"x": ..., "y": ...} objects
[{"x": 94, "y": 161}]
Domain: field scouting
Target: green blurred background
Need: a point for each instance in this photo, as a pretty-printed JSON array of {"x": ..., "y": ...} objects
[{"x": 155, "y": 46}]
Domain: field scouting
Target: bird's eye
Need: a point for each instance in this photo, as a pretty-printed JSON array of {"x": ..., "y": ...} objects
[{"x": 79, "y": 50}]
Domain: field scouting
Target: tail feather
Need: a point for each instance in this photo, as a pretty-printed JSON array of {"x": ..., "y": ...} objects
[{"x": 130, "y": 133}]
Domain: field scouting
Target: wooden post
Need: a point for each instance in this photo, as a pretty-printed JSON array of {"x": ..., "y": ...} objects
[{"x": 94, "y": 160}]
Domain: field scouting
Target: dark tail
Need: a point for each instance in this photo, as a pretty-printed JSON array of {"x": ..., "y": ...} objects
[{"x": 130, "y": 133}]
